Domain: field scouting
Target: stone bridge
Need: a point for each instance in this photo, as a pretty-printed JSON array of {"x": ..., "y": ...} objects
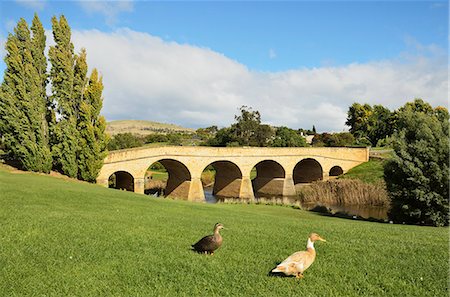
[{"x": 278, "y": 170}]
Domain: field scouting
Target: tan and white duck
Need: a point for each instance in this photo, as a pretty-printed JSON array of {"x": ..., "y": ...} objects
[
  {"x": 298, "y": 262},
  {"x": 210, "y": 243}
]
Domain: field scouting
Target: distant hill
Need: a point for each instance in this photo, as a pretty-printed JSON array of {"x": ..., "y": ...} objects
[{"x": 143, "y": 127}]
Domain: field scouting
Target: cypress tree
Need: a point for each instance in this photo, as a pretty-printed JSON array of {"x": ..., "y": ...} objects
[
  {"x": 65, "y": 134},
  {"x": 93, "y": 139},
  {"x": 22, "y": 103}
]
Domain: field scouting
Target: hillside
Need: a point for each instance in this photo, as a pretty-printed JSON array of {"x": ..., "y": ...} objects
[
  {"x": 61, "y": 238},
  {"x": 143, "y": 127}
]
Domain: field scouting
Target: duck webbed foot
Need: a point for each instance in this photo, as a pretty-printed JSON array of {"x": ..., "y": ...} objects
[{"x": 299, "y": 275}]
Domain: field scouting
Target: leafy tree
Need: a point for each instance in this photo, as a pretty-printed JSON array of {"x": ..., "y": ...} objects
[
  {"x": 246, "y": 125},
  {"x": 65, "y": 146},
  {"x": 417, "y": 177},
  {"x": 222, "y": 138},
  {"x": 175, "y": 138},
  {"x": 333, "y": 140},
  {"x": 40, "y": 63},
  {"x": 206, "y": 133},
  {"x": 285, "y": 137},
  {"x": 91, "y": 126},
  {"x": 314, "y": 130},
  {"x": 23, "y": 101},
  {"x": 151, "y": 138},
  {"x": 371, "y": 123},
  {"x": 381, "y": 124},
  {"x": 263, "y": 136},
  {"x": 358, "y": 118},
  {"x": 124, "y": 140}
]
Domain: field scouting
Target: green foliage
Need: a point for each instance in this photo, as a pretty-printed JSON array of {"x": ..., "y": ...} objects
[
  {"x": 222, "y": 138},
  {"x": 206, "y": 133},
  {"x": 66, "y": 97},
  {"x": 175, "y": 139},
  {"x": 246, "y": 125},
  {"x": 286, "y": 137},
  {"x": 91, "y": 125},
  {"x": 157, "y": 166},
  {"x": 152, "y": 138},
  {"x": 263, "y": 136},
  {"x": 124, "y": 140},
  {"x": 247, "y": 131},
  {"x": 67, "y": 125},
  {"x": 417, "y": 176},
  {"x": 23, "y": 101},
  {"x": 63, "y": 238},
  {"x": 370, "y": 123},
  {"x": 333, "y": 140}
]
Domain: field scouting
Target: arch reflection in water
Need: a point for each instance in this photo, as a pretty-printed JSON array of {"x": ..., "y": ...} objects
[
  {"x": 269, "y": 179},
  {"x": 168, "y": 177}
]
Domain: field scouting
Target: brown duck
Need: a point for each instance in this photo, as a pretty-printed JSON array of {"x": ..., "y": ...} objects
[{"x": 209, "y": 243}]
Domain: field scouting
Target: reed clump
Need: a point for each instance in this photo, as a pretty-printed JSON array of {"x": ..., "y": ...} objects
[{"x": 345, "y": 192}]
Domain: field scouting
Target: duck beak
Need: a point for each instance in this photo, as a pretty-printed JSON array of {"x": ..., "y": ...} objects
[{"x": 321, "y": 239}]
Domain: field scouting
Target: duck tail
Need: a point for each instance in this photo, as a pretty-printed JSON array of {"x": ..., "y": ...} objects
[{"x": 279, "y": 268}]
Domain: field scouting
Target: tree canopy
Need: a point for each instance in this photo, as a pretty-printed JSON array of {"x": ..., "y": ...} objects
[
  {"x": 64, "y": 130},
  {"x": 417, "y": 176}
]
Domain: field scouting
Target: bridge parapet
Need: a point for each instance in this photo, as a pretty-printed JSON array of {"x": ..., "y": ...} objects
[{"x": 188, "y": 162}]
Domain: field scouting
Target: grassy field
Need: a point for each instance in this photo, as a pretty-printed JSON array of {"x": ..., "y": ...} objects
[
  {"x": 60, "y": 238},
  {"x": 370, "y": 172}
]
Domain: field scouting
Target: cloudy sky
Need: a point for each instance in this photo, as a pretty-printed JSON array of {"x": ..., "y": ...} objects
[{"x": 299, "y": 63}]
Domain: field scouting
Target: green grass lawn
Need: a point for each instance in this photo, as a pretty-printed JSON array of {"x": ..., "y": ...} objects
[
  {"x": 369, "y": 172},
  {"x": 60, "y": 238}
]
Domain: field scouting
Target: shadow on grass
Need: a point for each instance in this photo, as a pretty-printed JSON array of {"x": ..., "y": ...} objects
[{"x": 325, "y": 211}]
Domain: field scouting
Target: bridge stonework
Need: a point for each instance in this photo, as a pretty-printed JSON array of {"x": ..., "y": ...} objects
[{"x": 278, "y": 169}]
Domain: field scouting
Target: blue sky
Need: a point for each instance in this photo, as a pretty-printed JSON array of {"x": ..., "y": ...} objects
[{"x": 274, "y": 42}]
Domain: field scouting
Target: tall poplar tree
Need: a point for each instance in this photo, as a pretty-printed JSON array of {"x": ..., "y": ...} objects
[
  {"x": 93, "y": 139},
  {"x": 22, "y": 103},
  {"x": 65, "y": 134}
]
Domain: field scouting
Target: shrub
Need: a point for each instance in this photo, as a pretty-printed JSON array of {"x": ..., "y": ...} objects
[
  {"x": 417, "y": 176},
  {"x": 124, "y": 140}
]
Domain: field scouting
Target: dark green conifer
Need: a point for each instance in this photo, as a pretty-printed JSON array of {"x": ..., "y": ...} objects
[
  {"x": 65, "y": 132},
  {"x": 22, "y": 103},
  {"x": 93, "y": 139}
]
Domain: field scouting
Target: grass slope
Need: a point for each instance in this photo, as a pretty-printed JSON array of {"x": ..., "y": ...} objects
[
  {"x": 60, "y": 238},
  {"x": 369, "y": 172},
  {"x": 143, "y": 127}
]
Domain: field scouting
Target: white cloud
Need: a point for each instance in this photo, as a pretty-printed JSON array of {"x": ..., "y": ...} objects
[
  {"x": 110, "y": 9},
  {"x": 32, "y": 4},
  {"x": 146, "y": 77}
]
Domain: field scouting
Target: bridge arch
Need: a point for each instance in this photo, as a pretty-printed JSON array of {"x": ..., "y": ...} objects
[
  {"x": 227, "y": 180},
  {"x": 179, "y": 178},
  {"x": 121, "y": 180},
  {"x": 269, "y": 180},
  {"x": 336, "y": 171},
  {"x": 307, "y": 171}
]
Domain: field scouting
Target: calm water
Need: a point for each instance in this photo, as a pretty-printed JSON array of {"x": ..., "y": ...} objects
[{"x": 353, "y": 210}]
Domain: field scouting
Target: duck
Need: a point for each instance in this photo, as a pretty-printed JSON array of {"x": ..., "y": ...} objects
[
  {"x": 298, "y": 262},
  {"x": 210, "y": 243}
]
